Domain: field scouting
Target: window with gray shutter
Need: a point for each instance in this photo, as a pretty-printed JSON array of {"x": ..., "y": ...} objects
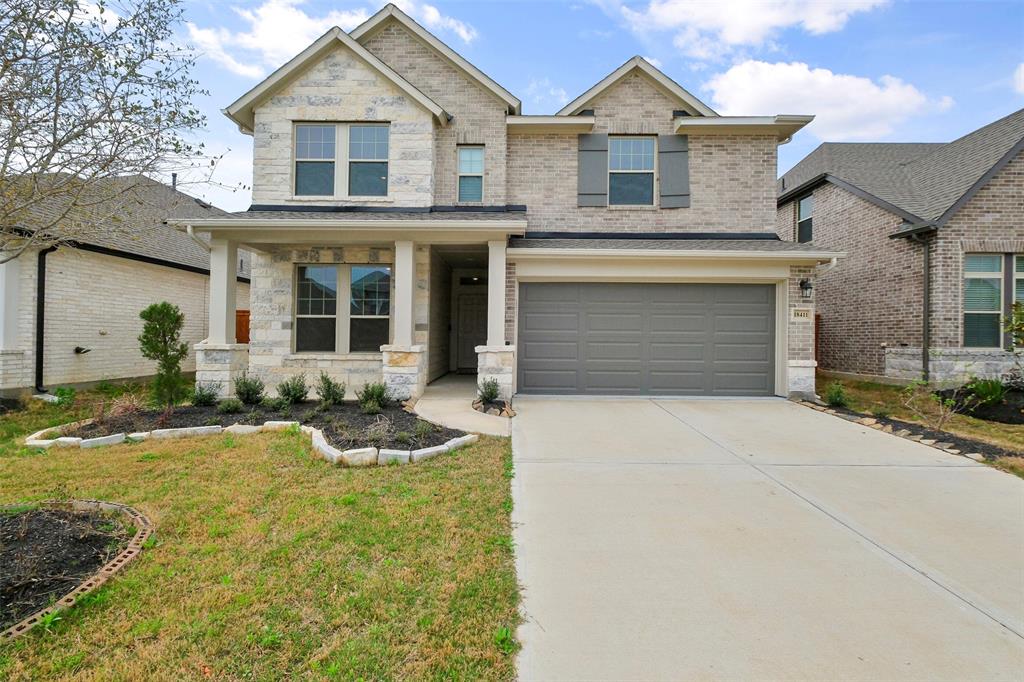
[
  {"x": 674, "y": 171},
  {"x": 592, "y": 170}
]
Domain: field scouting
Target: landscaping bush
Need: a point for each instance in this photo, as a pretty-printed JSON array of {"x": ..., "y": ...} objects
[
  {"x": 275, "y": 404},
  {"x": 204, "y": 395},
  {"x": 293, "y": 389},
  {"x": 127, "y": 403},
  {"x": 230, "y": 406},
  {"x": 986, "y": 391},
  {"x": 161, "y": 341},
  {"x": 370, "y": 407},
  {"x": 65, "y": 396},
  {"x": 489, "y": 390},
  {"x": 329, "y": 391},
  {"x": 249, "y": 389},
  {"x": 376, "y": 393},
  {"x": 835, "y": 395}
]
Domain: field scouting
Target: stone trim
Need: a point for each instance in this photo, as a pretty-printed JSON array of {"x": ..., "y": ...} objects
[
  {"x": 405, "y": 370},
  {"x": 948, "y": 365},
  {"x": 219, "y": 364},
  {"x": 498, "y": 363},
  {"x": 143, "y": 529}
]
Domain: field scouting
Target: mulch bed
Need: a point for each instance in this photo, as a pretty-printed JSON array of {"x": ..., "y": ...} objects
[
  {"x": 47, "y": 552},
  {"x": 344, "y": 426},
  {"x": 1009, "y": 411},
  {"x": 964, "y": 445}
]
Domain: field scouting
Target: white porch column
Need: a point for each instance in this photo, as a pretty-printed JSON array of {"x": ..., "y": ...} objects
[
  {"x": 223, "y": 264},
  {"x": 496, "y": 293},
  {"x": 405, "y": 288},
  {"x": 9, "y": 289}
]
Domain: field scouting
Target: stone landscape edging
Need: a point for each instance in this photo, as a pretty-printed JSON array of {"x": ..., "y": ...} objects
[
  {"x": 906, "y": 434},
  {"x": 367, "y": 456},
  {"x": 143, "y": 529}
]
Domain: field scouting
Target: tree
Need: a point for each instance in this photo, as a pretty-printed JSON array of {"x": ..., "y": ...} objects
[
  {"x": 89, "y": 90},
  {"x": 161, "y": 341}
]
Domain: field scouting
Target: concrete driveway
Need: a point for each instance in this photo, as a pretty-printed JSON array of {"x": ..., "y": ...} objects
[{"x": 757, "y": 539}]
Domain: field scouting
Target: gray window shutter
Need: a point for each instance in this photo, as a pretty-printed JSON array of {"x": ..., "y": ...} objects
[
  {"x": 674, "y": 171},
  {"x": 592, "y": 170}
]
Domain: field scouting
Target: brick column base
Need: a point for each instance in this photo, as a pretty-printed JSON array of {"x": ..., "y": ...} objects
[
  {"x": 498, "y": 363},
  {"x": 218, "y": 364},
  {"x": 800, "y": 377},
  {"x": 405, "y": 370}
]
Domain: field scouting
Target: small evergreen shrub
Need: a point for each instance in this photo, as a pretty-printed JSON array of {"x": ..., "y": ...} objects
[
  {"x": 369, "y": 407},
  {"x": 249, "y": 389},
  {"x": 423, "y": 429},
  {"x": 204, "y": 395},
  {"x": 987, "y": 392},
  {"x": 835, "y": 395},
  {"x": 329, "y": 391},
  {"x": 293, "y": 389},
  {"x": 489, "y": 390},
  {"x": 230, "y": 406},
  {"x": 377, "y": 393},
  {"x": 160, "y": 340},
  {"x": 275, "y": 404}
]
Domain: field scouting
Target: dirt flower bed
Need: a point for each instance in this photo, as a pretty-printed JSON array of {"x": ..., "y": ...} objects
[
  {"x": 46, "y": 552},
  {"x": 1009, "y": 410},
  {"x": 344, "y": 426}
]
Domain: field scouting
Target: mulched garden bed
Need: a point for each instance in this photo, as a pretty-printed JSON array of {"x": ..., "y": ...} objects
[
  {"x": 344, "y": 426},
  {"x": 964, "y": 445},
  {"x": 1009, "y": 411},
  {"x": 47, "y": 552}
]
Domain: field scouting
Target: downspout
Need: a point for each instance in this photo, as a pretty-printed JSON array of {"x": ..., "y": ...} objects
[
  {"x": 196, "y": 239},
  {"x": 41, "y": 314},
  {"x": 926, "y": 322}
]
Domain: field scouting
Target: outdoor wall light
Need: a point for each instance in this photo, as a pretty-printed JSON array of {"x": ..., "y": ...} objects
[{"x": 806, "y": 288}]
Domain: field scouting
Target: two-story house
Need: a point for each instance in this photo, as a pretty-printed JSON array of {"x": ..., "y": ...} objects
[
  {"x": 408, "y": 221},
  {"x": 934, "y": 234}
]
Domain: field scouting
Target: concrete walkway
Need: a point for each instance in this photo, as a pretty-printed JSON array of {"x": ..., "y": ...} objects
[
  {"x": 449, "y": 401},
  {"x": 757, "y": 540}
]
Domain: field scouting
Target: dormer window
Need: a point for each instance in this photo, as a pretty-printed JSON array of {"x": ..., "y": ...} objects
[{"x": 341, "y": 160}]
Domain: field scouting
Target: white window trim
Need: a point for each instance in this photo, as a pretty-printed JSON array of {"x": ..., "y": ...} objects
[
  {"x": 653, "y": 171},
  {"x": 343, "y": 312},
  {"x": 1000, "y": 277},
  {"x": 459, "y": 174},
  {"x": 341, "y": 162}
]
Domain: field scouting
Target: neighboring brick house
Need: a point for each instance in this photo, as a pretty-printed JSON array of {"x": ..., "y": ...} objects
[
  {"x": 939, "y": 221},
  {"x": 87, "y": 328},
  {"x": 408, "y": 221}
]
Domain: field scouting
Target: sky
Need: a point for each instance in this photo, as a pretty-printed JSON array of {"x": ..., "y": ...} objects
[{"x": 869, "y": 70}]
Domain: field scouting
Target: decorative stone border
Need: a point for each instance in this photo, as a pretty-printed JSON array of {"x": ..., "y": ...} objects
[
  {"x": 355, "y": 457},
  {"x": 906, "y": 434},
  {"x": 143, "y": 529}
]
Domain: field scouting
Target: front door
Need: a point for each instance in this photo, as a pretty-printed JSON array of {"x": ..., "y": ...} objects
[{"x": 472, "y": 328}]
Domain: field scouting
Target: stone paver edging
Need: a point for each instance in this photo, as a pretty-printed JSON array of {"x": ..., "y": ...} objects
[
  {"x": 906, "y": 434},
  {"x": 355, "y": 457},
  {"x": 143, "y": 529}
]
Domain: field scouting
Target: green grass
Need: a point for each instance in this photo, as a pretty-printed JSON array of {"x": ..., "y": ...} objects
[{"x": 268, "y": 563}]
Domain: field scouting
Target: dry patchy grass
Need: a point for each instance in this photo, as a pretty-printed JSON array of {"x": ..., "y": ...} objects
[{"x": 270, "y": 564}]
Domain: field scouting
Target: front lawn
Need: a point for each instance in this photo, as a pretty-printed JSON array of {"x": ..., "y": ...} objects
[{"x": 269, "y": 563}]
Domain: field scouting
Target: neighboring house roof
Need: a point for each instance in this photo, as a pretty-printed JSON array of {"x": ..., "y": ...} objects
[
  {"x": 922, "y": 182},
  {"x": 390, "y": 12},
  {"x": 638, "y": 63},
  {"x": 241, "y": 111}
]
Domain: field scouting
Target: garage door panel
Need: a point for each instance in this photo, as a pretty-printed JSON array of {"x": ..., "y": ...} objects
[
  {"x": 745, "y": 323},
  {"x": 544, "y": 321},
  {"x": 551, "y": 350},
  {"x": 741, "y": 294},
  {"x": 553, "y": 380},
  {"x": 619, "y": 381},
  {"x": 551, "y": 293},
  {"x": 743, "y": 352},
  {"x": 614, "y": 322},
  {"x": 601, "y": 294},
  {"x": 682, "y": 351},
  {"x": 678, "y": 322},
  {"x": 609, "y": 350}
]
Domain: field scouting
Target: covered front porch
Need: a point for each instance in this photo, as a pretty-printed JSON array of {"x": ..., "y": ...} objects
[{"x": 393, "y": 298}]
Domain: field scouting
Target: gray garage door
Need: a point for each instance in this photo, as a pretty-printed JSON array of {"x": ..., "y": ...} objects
[{"x": 668, "y": 339}]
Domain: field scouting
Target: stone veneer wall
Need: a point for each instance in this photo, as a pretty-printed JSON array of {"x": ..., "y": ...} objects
[
  {"x": 342, "y": 87},
  {"x": 948, "y": 365}
]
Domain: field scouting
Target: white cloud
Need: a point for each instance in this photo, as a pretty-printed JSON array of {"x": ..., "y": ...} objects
[
  {"x": 846, "y": 107},
  {"x": 654, "y": 61},
  {"x": 545, "y": 95},
  {"x": 711, "y": 30},
  {"x": 1018, "y": 79},
  {"x": 277, "y": 30}
]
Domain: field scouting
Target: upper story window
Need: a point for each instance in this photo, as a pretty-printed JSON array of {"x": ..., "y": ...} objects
[
  {"x": 341, "y": 160},
  {"x": 631, "y": 171},
  {"x": 804, "y": 211},
  {"x": 471, "y": 174}
]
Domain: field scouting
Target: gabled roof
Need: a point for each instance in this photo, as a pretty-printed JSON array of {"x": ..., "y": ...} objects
[
  {"x": 669, "y": 86},
  {"x": 923, "y": 182},
  {"x": 241, "y": 111},
  {"x": 369, "y": 27}
]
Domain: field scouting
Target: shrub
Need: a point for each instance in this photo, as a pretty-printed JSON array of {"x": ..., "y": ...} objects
[
  {"x": 275, "y": 404},
  {"x": 489, "y": 390},
  {"x": 161, "y": 341},
  {"x": 204, "y": 395},
  {"x": 987, "y": 391},
  {"x": 377, "y": 393},
  {"x": 835, "y": 395},
  {"x": 230, "y": 406},
  {"x": 125, "y": 404},
  {"x": 370, "y": 407},
  {"x": 65, "y": 396},
  {"x": 249, "y": 389},
  {"x": 423, "y": 429},
  {"x": 403, "y": 437},
  {"x": 329, "y": 391},
  {"x": 293, "y": 389}
]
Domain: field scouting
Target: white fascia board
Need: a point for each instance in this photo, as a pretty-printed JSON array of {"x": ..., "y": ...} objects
[
  {"x": 674, "y": 254},
  {"x": 782, "y": 126},
  {"x": 369, "y": 27},
  {"x": 241, "y": 110},
  {"x": 515, "y": 226},
  {"x": 550, "y": 124},
  {"x": 666, "y": 83}
]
